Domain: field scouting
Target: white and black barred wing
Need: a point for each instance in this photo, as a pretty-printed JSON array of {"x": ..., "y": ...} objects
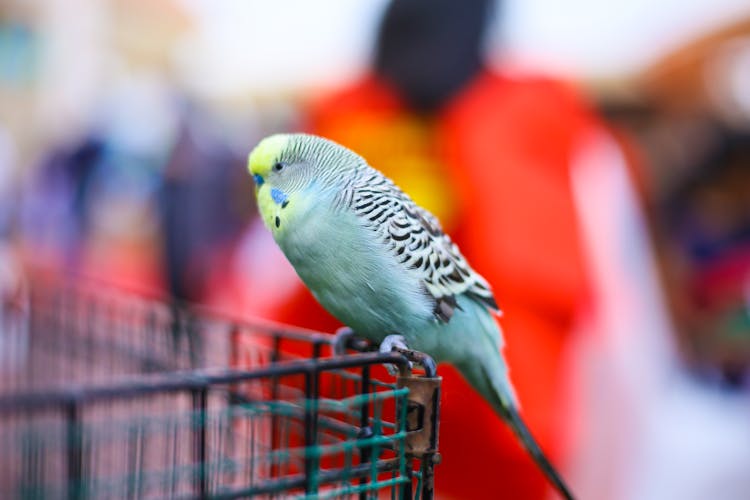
[{"x": 418, "y": 242}]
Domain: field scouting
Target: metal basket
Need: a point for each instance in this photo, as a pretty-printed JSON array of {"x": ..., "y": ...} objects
[{"x": 112, "y": 395}]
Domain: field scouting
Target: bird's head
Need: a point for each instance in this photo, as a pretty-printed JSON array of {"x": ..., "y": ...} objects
[{"x": 292, "y": 171}]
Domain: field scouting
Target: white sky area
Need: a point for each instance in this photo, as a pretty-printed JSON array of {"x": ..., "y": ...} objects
[
  {"x": 605, "y": 38},
  {"x": 290, "y": 44}
]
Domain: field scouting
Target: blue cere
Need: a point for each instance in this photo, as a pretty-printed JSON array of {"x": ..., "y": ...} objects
[
  {"x": 258, "y": 180},
  {"x": 278, "y": 196}
]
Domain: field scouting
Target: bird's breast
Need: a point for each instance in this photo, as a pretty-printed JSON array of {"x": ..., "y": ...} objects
[{"x": 353, "y": 275}]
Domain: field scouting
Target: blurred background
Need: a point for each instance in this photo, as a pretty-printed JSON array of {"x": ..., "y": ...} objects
[{"x": 591, "y": 159}]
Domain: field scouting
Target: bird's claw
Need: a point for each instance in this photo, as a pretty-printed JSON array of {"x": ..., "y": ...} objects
[
  {"x": 389, "y": 344},
  {"x": 341, "y": 339}
]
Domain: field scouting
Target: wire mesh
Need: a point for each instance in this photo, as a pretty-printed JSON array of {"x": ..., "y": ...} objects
[{"x": 113, "y": 395}]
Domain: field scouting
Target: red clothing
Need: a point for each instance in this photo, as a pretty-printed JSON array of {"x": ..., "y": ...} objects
[{"x": 503, "y": 147}]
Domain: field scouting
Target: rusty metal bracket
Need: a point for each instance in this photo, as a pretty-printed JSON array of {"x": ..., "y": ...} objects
[{"x": 422, "y": 414}]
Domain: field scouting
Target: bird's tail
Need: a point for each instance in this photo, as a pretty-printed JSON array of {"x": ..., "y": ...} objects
[
  {"x": 524, "y": 435},
  {"x": 487, "y": 372},
  {"x": 493, "y": 383}
]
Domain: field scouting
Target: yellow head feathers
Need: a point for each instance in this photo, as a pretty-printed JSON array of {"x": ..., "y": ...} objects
[{"x": 262, "y": 158}]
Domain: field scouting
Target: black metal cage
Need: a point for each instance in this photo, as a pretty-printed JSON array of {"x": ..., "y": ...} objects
[{"x": 106, "y": 394}]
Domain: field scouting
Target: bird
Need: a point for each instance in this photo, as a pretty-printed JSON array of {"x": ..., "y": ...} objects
[{"x": 384, "y": 267}]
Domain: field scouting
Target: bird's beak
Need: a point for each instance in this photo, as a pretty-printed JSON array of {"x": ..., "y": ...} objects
[{"x": 258, "y": 180}]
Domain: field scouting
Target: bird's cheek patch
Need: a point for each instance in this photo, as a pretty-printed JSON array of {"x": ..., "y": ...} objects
[
  {"x": 278, "y": 196},
  {"x": 267, "y": 207}
]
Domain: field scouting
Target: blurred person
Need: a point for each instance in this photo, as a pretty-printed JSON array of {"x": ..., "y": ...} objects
[
  {"x": 661, "y": 362},
  {"x": 661, "y": 359},
  {"x": 199, "y": 215},
  {"x": 696, "y": 441},
  {"x": 88, "y": 205},
  {"x": 705, "y": 234},
  {"x": 490, "y": 154},
  {"x": 200, "y": 220},
  {"x": 55, "y": 210}
]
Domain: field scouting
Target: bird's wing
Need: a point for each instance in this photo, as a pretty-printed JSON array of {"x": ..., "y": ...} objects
[{"x": 417, "y": 241}]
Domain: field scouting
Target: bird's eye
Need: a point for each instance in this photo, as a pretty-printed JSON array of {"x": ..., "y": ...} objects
[{"x": 278, "y": 167}]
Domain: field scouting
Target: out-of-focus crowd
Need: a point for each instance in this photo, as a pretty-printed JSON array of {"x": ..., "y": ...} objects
[{"x": 612, "y": 218}]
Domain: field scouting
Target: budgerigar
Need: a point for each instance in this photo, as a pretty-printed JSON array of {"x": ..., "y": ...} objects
[{"x": 382, "y": 265}]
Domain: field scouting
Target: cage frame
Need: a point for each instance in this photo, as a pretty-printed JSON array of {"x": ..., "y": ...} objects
[{"x": 417, "y": 418}]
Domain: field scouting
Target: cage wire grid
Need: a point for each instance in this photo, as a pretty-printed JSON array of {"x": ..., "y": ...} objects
[{"x": 108, "y": 394}]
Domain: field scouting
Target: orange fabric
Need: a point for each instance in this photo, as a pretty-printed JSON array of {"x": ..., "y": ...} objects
[
  {"x": 404, "y": 146},
  {"x": 505, "y": 148}
]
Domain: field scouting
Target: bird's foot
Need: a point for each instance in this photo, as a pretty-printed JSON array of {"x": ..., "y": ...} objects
[
  {"x": 393, "y": 343},
  {"x": 341, "y": 339}
]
